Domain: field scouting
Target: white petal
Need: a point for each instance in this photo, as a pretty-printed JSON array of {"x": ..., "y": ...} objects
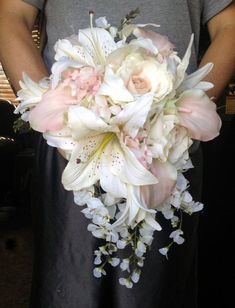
[
  {"x": 152, "y": 222},
  {"x": 83, "y": 169},
  {"x": 113, "y": 86},
  {"x": 111, "y": 183},
  {"x": 184, "y": 64},
  {"x": 192, "y": 80},
  {"x": 128, "y": 168},
  {"x": 134, "y": 115},
  {"x": 145, "y": 43},
  {"x": 98, "y": 42},
  {"x": 61, "y": 139},
  {"x": 83, "y": 122}
]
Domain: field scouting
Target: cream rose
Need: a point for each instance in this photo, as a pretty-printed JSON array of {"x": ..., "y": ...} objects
[{"x": 142, "y": 74}]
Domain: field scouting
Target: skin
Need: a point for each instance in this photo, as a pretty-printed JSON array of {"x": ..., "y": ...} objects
[{"x": 16, "y": 37}]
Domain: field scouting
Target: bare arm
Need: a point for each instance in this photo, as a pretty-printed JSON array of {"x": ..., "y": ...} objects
[
  {"x": 221, "y": 51},
  {"x": 18, "y": 52}
]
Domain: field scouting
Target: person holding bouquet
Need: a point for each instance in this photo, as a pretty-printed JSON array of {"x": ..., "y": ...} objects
[{"x": 63, "y": 249}]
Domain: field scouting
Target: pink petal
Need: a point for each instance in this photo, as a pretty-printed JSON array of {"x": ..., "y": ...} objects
[
  {"x": 198, "y": 114},
  {"x": 164, "y": 46},
  {"x": 48, "y": 114},
  {"x": 155, "y": 195}
]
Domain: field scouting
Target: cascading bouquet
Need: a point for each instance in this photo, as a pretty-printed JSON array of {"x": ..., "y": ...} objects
[{"x": 124, "y": 113}]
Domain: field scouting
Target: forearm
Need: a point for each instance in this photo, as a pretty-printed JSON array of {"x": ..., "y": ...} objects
[
  {"x": 222, "y": 54},
  {"x": 18, "y": 52},
  {"x": 221, "y": 51}
]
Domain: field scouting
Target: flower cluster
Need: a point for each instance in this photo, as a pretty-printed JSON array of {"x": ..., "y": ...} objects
[{"x": 124, "y": 113}]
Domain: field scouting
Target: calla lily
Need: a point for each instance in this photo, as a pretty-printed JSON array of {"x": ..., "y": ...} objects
[
  {"x": 163, "y": 45},
  {"x": 198, "y": 114},
  {"x": 155, "y": 195},
  {"x": 48, "y": 114}
]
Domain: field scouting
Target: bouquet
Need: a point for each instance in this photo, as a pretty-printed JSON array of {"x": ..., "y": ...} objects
[{"x": 122, "y": 110}]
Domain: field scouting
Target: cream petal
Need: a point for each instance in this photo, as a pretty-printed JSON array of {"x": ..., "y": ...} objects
[
  {"x": 83, "y": 168},
  {"x": 83, "y": 122},
  {"x": 193, "y": 80},
  {"x": 110, "y": 182},
  {"x": 59, "y": 67},
  {"x": 61, "y": 139},
  {"x": 132, "y": 208},
  {"x": 134, "y": 115},
  {"x": 98, "y": 42},
  {"x": 181, "y": 68},
  {"x": 145, "y": 43},
  {"x": 126, "y": 166},
  {"x": 149, "y": 219},
  {"x": 113, "y": 86}
]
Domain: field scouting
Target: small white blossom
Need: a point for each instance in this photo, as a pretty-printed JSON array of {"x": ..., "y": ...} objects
[
  {"x": 164, "y": 251},
  {"x": 97, "y": 261},
  {"x": 121, "y": 244},
  {"x": 102, "y": 22},
  {"x": 125, "y": 264},
  {"x": 113, "y": 31},
  {"x": 112, "y": 236},
  {"x": 140, "y": 261},
  {"x": 98, "y": 272},
  {"x": 135, "y": 276},
  {"x": 114, "y": 261},
  {"x": 126, "y": 282},
  {"x": 187, "y": 197},
  {"x": 176, "y": 236}
]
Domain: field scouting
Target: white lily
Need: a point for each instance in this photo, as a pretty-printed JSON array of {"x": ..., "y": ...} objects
[
  {"x": 103, "y": 157},
  {"x": 90, "y": 48},
  {"x": 85, "y": 167}
]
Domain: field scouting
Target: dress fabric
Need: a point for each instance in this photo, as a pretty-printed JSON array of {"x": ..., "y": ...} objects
[
  {"x": 63, "y": 252},
  {"x": 63, "y": 248}
]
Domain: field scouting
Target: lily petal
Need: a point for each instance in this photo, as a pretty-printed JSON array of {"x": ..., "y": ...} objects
[
  {"x": 128, "y": 168},
  {"x": 113, "y": 86},
  {"x": 193, "y": 80},
  {"x": 134, "y": 114},
  {"x": 83, "y": 122},
  {"x": 83, "y": 168},
  {"x": 181, "y": 68}
]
